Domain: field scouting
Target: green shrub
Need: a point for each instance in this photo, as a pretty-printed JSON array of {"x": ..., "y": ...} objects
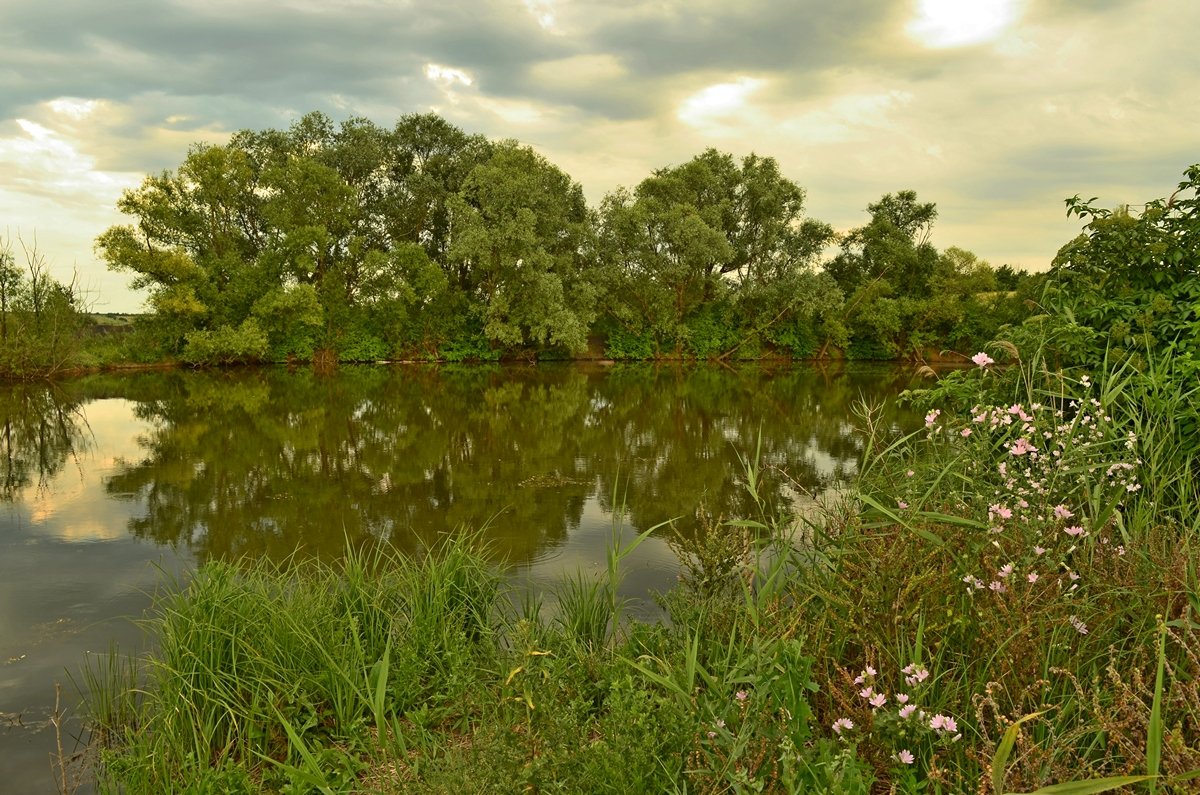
[
  {"x": 622, "y": 344},
  {"x": 226, "y": 345},
  {"x": 473, "y": 348},
  {"x": 710, "y": 331},
  {"x": 799, "y": 337}
]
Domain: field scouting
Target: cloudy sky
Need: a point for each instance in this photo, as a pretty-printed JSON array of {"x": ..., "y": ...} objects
[{"x": 994, "y": 109}]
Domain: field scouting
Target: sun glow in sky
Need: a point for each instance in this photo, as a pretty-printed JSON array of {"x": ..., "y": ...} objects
[
  {"x": 994, "y": 109},
  {"x": 956, "y": 23}
]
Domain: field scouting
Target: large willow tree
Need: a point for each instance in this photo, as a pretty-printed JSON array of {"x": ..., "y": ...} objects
[
  {"x": 712, "y": 252},
  {"x": 283, "y": 241}
]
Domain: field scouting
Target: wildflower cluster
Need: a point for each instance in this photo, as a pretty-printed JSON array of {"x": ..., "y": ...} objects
[
  {"x": 1045, "y": 481},
  {"x": 896, "y": 718}
]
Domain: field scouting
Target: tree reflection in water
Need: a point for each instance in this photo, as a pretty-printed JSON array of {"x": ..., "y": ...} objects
[
  {"x": 43, "y": 428},
  {"x": 261, "y": 462}
]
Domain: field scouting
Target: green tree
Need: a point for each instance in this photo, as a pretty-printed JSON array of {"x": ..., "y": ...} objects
[
  {"x": 894, "y": 245},
  {"x": 520, "y": 236},
  {"x": 196, "y": 243},
  {"x": 41, "y": 319},
  {"x": 712, "y": 242},
  {"x": 238, "y": 241},
  {"x": 881, "y": 264},
  {"x": 1135, "y": 276},
  {"x": 956, "y": 313}
]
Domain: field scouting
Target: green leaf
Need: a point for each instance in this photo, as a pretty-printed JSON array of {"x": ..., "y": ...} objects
[
  {"x": 1004, "y": 750},
  {"x": 1086, "y": 787},
  {"x": 928, "y": 535},
  {"x": 1155, "y": 731}
]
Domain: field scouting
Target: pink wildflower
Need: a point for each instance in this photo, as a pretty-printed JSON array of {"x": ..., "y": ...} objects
[
  {"x": 741, "y": 695},
  {"x": 915, "y": 674},
  {"x": 1021, "y": 447},
  {"x": 1032, "y": 577},
  {"x": 943, "y": 723},
  {"x": 906, "y": 710},
  {"x": 1074, "y": 531},
  {"x": 901, "y": 504},
  {"x": 1005, "y": 570},
  {"x": 931, "y": 417},
  {"x": 965, "y": 432},
  {"x": 878, "y": 700},
  {"x": 1062, "y": 512},
  {"x": 842, "y": 724},
  {"x": 981, "y": 359},
  {"x": 902, "y": 698},
  {"x": 1039, "y": 551},
  {"x": 905, "y": 757}
]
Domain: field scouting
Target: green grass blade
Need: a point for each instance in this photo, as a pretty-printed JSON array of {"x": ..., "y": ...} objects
[
  {"x": 1004, "y": 750},
  {"x": 1087, "y": 787},
  {"x": 928, "y": 535},
  {"x": 958, "y": 521},
  {"x": 1154, "y": 732},
  {"x": 380, "y": 673},
  {"x": 312, "y": 770}
]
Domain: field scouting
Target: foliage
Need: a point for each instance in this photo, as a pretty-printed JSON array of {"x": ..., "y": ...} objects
[
  {"x": 372, "y": 243},
  {"x": 693, "y": 238},
  {"x": 521, "y": 226},
  {"x": 309, "y": 231},
  {"x": 41, "y": 319},
  {"x": 1138, "y": 275},
  {"x": 620, "y": 343},
  {"x": 904, "y": 298},
  {"x": 1129, "y": 288},
  {"x": 894, "y": 246}
]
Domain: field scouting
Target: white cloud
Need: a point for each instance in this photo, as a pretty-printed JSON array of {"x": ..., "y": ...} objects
[
  {"x": 447, "y": 76},
  {"x": 52, "y": 162},
  {"x": 72, "y": 107},
  {"x": 957, "y": 23},
  {"x": 543, "y": 12},
  {"x": 720, "y": 107}
]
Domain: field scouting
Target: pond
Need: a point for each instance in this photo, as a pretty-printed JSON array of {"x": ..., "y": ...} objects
[{"x": 116, "y": 484}]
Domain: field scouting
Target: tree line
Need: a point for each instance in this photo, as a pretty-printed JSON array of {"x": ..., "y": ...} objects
[{"x": 422, "y": 241}]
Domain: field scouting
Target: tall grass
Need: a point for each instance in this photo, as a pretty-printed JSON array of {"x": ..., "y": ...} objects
[{"x": 253, "y": 657}]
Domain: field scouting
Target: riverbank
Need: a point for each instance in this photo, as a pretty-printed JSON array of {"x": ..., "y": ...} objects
[{"x": 1025, "y": 561}]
